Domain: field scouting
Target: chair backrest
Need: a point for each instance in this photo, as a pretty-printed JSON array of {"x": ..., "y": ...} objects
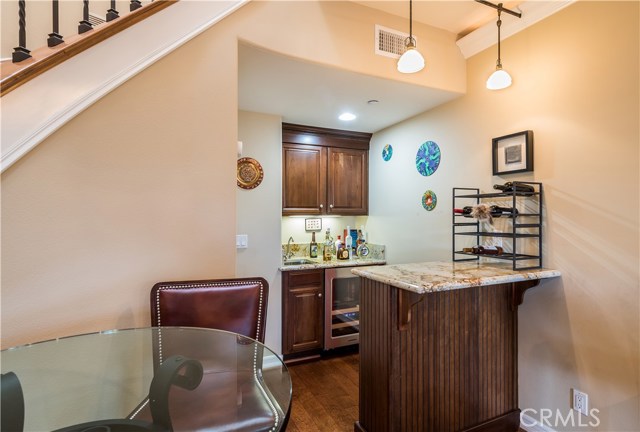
[{"x": 237, "y": 305}]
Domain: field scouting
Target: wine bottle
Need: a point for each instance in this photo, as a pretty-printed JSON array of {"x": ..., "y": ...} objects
[
  {"x": 464, "y": 211},
  {"x": 510, "y": 187},
  {"x": 313, "y": 246},
  {"x": 497, "y": 211},
  {"x": 494, "y": 210},
  {"x": 484, "y": 250}
]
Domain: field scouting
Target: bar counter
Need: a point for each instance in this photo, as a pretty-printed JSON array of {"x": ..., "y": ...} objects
[{"x": 439, "y": 346}]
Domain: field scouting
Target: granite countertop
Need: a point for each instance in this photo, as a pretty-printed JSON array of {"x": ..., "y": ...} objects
[
  {"x": 319, "y": 264},
  {"x": 429, "y": 277}
]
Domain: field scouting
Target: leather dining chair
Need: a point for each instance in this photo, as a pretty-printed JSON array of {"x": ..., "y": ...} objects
[
  {"x": 12, "y": 404},
  {"x": 237, "y": 305}
]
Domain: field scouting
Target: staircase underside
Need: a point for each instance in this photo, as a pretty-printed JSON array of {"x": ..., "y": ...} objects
[{"x": 37, "y": 108}]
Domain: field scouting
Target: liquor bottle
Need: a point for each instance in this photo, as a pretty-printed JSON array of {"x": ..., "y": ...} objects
[
  {"x": 484, "y": 250},
  {"x": 340, "y": 250},
  {"x": 509, "y": 187},
  {"x": 361, "y": 238},
  {"x": 363, "y": 250},
  {"x": 348, "y": 241},
  {"x": 328, "y": 246},
  {"x": 342, "y": 253},
  {"x": 313, "y": 246}
]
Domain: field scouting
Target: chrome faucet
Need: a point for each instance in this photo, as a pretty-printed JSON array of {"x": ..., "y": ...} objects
[{"x": 289, "y": 254}]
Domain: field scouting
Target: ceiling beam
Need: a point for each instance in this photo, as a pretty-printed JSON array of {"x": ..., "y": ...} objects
[{"x": 487, "y": 36}]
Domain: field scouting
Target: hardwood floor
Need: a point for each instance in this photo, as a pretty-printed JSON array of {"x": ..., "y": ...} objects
[{"x": 325, "y": 395}]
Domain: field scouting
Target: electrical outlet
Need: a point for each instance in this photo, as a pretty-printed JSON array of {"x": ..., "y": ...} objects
[{"x": 580, "y": 402}]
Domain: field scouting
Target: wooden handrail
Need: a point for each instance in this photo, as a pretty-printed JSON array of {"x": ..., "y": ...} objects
[{"x": 14, "y": 75}]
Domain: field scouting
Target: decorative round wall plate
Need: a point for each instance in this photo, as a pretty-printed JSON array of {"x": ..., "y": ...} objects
[
  {"x": 249, "y": 173},
  {"x": 429, "y": 200},
  {"x": 387, "y": 152},
  {"x": 428, "y": 158}
]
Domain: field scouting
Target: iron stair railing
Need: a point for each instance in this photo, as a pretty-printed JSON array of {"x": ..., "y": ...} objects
[{"x": 26, "y": 65}]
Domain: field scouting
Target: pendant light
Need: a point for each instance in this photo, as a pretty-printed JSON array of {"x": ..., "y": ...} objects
[
  {"x": 500, "y": 78},
  {"x": 411, "y": 61}
]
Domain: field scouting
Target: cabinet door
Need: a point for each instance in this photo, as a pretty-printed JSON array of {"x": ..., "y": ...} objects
[
  {"x": 303, "y": 179},
  {"x": 303, "y": 311},
  {"x": 347, "y": 181}
]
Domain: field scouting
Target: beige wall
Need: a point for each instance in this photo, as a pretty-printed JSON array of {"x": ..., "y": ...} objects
[
  {"x": 131, "y": 192},
  {"x": 141, "y": 186},
  {"x": 259, "y": 211},
  {"x": 576, "y": 86}
]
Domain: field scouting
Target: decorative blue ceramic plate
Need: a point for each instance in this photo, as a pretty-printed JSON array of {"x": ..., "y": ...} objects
[
  {"x": 429, "y": 200},
  {"x": 428, "y": 158},
  {"x": 387, "y": 152}
]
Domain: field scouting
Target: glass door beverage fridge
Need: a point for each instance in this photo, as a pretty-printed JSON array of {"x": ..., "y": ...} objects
[{"x": 342, "y": 308}]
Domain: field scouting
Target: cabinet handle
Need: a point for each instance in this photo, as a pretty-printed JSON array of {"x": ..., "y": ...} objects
[
  {"x": 321, "y": 205},
  {"x": 319, "y": 294},
  {"x": 330, "y": 205}
]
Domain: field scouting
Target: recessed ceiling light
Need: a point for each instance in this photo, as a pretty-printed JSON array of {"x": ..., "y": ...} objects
[{"x": 347, "y": 116}]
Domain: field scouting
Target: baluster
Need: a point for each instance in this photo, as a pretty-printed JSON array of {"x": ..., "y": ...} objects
[
  {"x": 21, "y": 52},
  {"x": 85, "y": 25},
  {"x": 55, "y": 38},
  {"x": 112, "y": 13},
  {"x": 135, "y": 4}
]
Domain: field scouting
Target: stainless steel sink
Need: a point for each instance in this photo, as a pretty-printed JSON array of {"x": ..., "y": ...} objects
[{"x": 298, "y": 261}]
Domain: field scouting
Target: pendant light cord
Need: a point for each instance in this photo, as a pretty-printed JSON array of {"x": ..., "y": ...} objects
[
  {"x": 411, "y": 21},
  {"x": 499, "y": 24}
]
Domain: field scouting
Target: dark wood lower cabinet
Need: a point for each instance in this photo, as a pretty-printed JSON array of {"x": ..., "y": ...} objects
[
  {"x": 444, "y": 361},
  {"x": 302, "y": 313}
]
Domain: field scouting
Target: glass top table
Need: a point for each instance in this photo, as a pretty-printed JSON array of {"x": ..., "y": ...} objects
[{"x": 156, "y": 378}]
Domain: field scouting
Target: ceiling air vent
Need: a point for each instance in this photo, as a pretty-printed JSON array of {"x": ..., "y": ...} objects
[
  {"x": 96, "y": 20},
  {"x": 389, "y": 42}
]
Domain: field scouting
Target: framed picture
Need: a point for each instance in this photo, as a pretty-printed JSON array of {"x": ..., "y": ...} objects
[{"x": 513, "y": 153}]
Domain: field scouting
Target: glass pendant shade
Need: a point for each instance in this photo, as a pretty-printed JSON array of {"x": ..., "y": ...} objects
[
  {"x": 499, "y": 80},
  {"x": 411, "y": 61}
]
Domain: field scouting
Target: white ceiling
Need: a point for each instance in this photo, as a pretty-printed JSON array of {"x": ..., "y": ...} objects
[{"x": 312, "y": 94}]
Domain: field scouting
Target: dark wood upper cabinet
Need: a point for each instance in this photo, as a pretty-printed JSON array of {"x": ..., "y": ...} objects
[
  {"x": 304, "y": 187},
  {"x": 324, "y": 171},
  {"x": 348, "y": 181}
]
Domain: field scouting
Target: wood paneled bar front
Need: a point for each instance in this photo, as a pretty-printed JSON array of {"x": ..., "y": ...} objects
[{"x": 439, "y": 346}]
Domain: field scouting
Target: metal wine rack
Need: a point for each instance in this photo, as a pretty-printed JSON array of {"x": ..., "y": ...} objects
[{"x": 530, "y": 220}]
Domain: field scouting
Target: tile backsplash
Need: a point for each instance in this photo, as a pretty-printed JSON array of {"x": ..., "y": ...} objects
[{"x": 301, "y": 250}]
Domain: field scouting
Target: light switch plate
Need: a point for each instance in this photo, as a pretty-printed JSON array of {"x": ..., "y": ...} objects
[
  {"x": 242, "y": 241},
  {"x": 313, "y": 224}
]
